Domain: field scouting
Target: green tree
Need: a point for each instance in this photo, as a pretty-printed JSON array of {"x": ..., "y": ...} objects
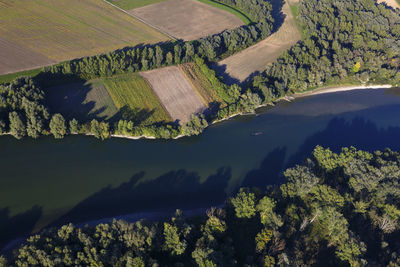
[
  {"x": 17, "y": 126},
  {"x": 244, "y": 204},
  {"x": 73, "y": 126},
  {"x": 57, "y": 126}
]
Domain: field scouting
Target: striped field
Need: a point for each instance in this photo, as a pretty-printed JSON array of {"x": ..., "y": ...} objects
[
  {"x": 131, "y": 93},
  {"x": 41, "y": 32}
]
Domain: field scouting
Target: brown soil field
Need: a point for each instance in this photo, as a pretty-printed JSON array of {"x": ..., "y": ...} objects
[
  {"x": 17, "y": 58},
  {"x": 392, "y": 3},
  {"x": 175, "y": 92},
  {"x": 65, "y": 29},
  {"x": 187, "y": 19},
  {"x": 255, "y": 58}
]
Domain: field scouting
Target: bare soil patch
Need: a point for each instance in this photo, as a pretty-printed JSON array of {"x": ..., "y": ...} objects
[
  {"x": 255, "y": 58},
  {"x": 187, "y": 19},
  {"x": 175, "y": 92},
  {"x": 65, "y": 29},
  {"x": 392, "y": 3}
]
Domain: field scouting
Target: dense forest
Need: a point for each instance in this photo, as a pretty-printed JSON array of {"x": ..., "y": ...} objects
[
  {"x": 334, "y": 210},
  {"x": 343, "y": 42}
]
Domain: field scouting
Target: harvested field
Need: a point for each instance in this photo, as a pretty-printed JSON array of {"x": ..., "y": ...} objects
[
  {"x": 42, "y": 32},
  {"x": 187, "y": 19},
  {"x": 83, "y": 101},
  {"x": 255, "y": 58},
  {"x": 201, "y": 84},
  {"x": 135, "y": 99},
  {"x": 175, "y": 92},
  {"x": 393, "y": 3},
  {"x": 15, "y": 57}
]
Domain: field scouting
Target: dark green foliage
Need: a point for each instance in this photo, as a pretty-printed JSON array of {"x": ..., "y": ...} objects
[
  {"x": 320, "y": 223},
  {"x": 73, "y": 126},
  {"x": 22, "y": 108},
  {"x": 195, "y": 126},
  {"x": 17, "y": 127},
  {"x": 155, "y": 56},
  {"x": 57, "y": 126},
  {"x": 343, "y": 41}
]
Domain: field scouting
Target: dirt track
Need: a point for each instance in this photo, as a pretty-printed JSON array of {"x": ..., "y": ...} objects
[
  {"x": 176, "y": 94},
  {"x": 255, "y": 58},
  {"x": 391, "y": 3},
  {"x": 187, "y": 19}
]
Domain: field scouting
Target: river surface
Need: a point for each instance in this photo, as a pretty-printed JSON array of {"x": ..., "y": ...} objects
[{"x": 78, "y": 179}]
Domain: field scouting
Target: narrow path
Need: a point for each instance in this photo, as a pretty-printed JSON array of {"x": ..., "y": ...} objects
[
  {"x": 392, "y": 3},
  {"x": 254, "y": 59},
  {"x": 141, "y": 20}
]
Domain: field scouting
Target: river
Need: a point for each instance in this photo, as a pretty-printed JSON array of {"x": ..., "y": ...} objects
[{"x": 49, "y": 182}]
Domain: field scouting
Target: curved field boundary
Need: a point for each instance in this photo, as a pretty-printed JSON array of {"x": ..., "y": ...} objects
[
  {"x": 393, "y": 3},
  {"x": 187, "y": 19},
  {"x": 242, "y": 65},
  {"x": 142, "y": 20},
  {"x": 242, "y": 16}
]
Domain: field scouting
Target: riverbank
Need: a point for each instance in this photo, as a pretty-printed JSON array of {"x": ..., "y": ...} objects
[
  {"x": 328, "y": 90},
  {"x": 288, "y": 98}
]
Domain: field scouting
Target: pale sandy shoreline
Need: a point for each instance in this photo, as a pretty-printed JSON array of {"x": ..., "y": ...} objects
[{"x": 340, "y": 89}]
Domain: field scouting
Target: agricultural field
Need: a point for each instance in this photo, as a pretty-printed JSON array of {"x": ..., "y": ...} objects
[
  {"x": 393, "y": 3},
  {"x": 131, "y": 4},
  {"x": 135, "y": 99},
  {"x": 201, "y": 84},
  {"x": 17, "y": 57},
  {"x": 255, "y": 58},
  {"x": 187, "y": 19},
  {"x": 83, "y": 101},
  {"x": 175, "y": 92},
  {"x": 42, "y": 32}
]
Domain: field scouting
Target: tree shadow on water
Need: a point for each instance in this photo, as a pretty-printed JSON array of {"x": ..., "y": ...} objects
[
  {"x": 18, "y": 225},
  {"x": 174, "y": 190},
  {"x": 360, "y": 133},
  {"x": 269, "y": 172}
]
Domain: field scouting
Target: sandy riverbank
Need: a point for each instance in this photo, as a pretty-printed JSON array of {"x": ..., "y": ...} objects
[{"x": 328, "y": 90}]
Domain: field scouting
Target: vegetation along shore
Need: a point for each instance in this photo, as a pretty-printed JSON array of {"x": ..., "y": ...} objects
[{"x": 328, "y": 53}]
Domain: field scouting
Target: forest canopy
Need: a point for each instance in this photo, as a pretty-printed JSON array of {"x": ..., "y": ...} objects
[
  {"x": 336, "y": 209},
  {"x": 343, "y": 42}
]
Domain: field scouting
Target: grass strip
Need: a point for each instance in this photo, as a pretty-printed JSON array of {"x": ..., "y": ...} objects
[
  {"x": 131, "y": 4},
  {"x": 130, "y": 92},
  {"x": 6, "y": 78},
  {"x": 233, "y": 10}
]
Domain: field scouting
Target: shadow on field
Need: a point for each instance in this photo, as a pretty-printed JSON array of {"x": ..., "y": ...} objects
[
  {"x": 71, "y": 101},
  {"x": 179, "y": 189},
  {"x": 136, "y": 115},
  {"x": 277, "y": 13},
  {"x": 223, "y": 75}
]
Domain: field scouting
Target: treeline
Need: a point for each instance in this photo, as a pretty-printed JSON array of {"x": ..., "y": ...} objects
[
  {"x": 143, "y": 58},
  {"x": 23, "y": 112},
  {"x": 343, "y": 42},
  {"x": 334, "y": 210}
]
